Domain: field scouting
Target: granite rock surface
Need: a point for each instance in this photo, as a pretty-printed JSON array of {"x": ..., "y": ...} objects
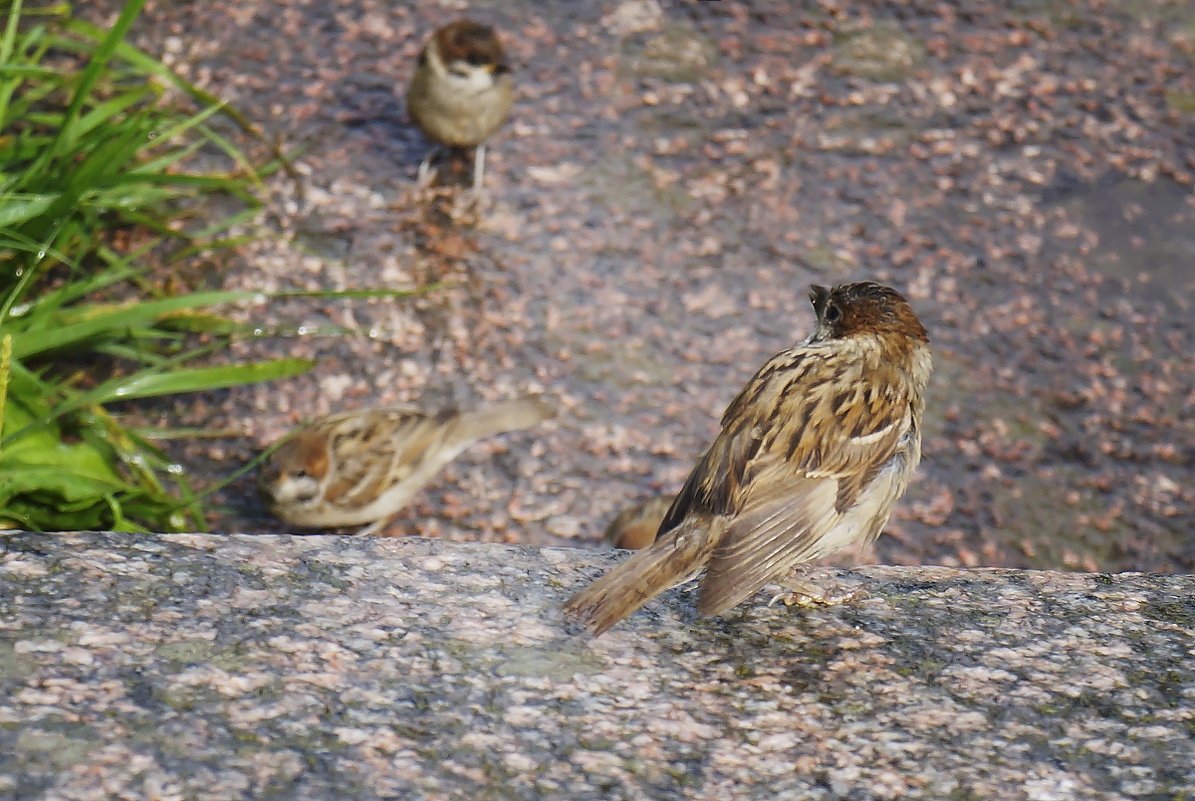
[{"x": 230, "y": 667}]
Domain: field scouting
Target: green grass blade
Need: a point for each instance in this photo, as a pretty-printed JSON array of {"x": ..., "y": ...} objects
[
  {"x": 10, "y": 31},
  {"x": 91, "y": 73},
  {"x": 9, "y": 85},
  {"x": 18, "y": 207},
  {"x": 116, "y": 319},
  {"x": 111, "y": 109},
  {"x": 174, "y": 382},
  {"x": 5, "y": 377}
]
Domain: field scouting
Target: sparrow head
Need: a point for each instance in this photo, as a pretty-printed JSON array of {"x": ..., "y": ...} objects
[
  {"x": 862, "y": 308},
  {"x": 295, "y": 472},
  {"x": 469, "y": 51}
]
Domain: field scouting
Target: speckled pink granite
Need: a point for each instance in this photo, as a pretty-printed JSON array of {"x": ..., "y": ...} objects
[{"x": 230, "y": 667}]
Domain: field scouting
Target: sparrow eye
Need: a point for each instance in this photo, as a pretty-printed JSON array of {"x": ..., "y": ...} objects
[
  {"x": 477, "y": 59},
  {"x": 832, "y": 314}
]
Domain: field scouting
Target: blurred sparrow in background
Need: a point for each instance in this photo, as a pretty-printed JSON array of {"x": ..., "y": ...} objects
[
  {"x": 361, "y": 467},
  {"x": 635, "y": 527},
  {"x": 811, "y": 457},
  {"x": 461, "y": 91}
]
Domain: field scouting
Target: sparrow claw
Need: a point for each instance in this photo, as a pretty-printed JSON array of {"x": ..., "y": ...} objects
[
  {"x": 425, "y": 174},
  {"x": 826, "y": 592},
  {"x": 372, "y": 528}
]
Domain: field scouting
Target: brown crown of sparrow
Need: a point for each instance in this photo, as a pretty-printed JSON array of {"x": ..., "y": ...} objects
[
  {"x": 461, "y": 91},
  {"x": 361, "y": 467},
  {"x": 811, "y": 457}
]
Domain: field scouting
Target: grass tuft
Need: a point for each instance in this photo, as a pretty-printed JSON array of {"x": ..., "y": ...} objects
[{"x": 91, "y": 152}]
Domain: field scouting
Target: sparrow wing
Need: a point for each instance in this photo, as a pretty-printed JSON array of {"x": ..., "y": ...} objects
[
  {"x": 829, "y": 432},
  {"x": 717, "y": 478},
  {"x": 767, "y": 537},
  {"x": 714, "y": 481},
  {"x": 358, "y": 441}
]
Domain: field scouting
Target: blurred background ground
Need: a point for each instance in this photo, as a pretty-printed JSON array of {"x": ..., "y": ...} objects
[{"x": 672, "y": 179}]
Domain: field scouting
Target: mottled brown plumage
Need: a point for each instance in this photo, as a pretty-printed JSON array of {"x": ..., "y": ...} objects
[
  {"x": 361, "y": 467},
  {"x": 811, "y": 456}
]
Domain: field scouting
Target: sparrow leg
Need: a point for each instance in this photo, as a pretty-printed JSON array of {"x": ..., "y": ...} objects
[
  {"x": 478, "y": 166},
  {"x": 372, "y": 528},
  {"x": 423, "y": 177},
  {"x": 827, "y": 590}
]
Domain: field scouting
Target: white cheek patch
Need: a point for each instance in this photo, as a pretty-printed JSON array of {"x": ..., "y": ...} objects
[
  {"x": 292, "y": 489},
  {"x": 464, "y": 77}
]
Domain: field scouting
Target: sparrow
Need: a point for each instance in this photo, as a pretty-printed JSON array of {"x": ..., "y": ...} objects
[
  {"x": 354, "y": 468},
  {"x": 635, "y": 527},
  {"x": 810, "y": 457},
  {"x": 461, "y": 91}
]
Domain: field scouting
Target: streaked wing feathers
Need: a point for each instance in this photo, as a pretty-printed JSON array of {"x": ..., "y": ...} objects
[
  {"x": 716, "y": 480},
  {"x": 399, "y": 433},
  {"x": 832, "y": 435},
  {"x": 768, "y": 536}
]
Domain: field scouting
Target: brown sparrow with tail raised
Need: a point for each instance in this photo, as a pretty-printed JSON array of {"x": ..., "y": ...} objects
[
  {"x": 461, "y": 91},
  {"x": 361, "y": 467},
  {"x": 810, "y": 458}
]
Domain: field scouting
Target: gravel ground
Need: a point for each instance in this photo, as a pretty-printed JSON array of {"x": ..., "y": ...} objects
[{"x": 673, "y": 178}]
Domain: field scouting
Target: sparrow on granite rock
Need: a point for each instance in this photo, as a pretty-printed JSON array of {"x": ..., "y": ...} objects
[{"x": 810, "y": 457}]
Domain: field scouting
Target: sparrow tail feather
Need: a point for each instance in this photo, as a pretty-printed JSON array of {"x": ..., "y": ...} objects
[
  {"x": 500, "y": 417},
  {"x": 637, "y": 580}
]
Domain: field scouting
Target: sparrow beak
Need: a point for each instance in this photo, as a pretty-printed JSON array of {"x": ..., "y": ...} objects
[{"x": 819, "y": 296}]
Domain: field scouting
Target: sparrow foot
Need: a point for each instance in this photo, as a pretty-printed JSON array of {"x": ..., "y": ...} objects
[
  {"x": 469, "y": 206},
  {"x": 827, "y": 589},
  {"x": 426, "y": 173},
  {"x": 372, "y": 528}
]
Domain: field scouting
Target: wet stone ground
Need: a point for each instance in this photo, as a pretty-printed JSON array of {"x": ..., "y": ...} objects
[{"x": 673, "y": 178}]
